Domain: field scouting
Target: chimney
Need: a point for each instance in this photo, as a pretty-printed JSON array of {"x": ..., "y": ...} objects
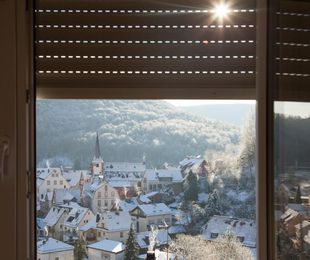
[{"x": 150, "y": 255}]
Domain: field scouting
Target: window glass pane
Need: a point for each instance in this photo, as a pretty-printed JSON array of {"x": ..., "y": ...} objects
[
  {"x": 176, "y": 175},
  {"x": 292, "y": 180}
]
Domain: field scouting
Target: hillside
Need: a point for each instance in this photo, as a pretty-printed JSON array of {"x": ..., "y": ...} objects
[{"x": 128, "y": 131}]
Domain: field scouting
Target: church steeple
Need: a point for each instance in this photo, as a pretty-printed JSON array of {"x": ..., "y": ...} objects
[
  {"x": 97, "y": 165},
  {"x": 97, "y": 148}
]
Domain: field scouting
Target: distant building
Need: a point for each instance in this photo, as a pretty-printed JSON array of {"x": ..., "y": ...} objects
[
  {"x": 196, "y": 164},
  {"x": 151, "y": 214},
  {"x": 113, "y": 225},
  {"x": 243, "y": 229},
  {"x": 155, "y": 180},
  {"x": 54, "y": 221},
  {"x": 143, "y": 239},
  {"x": 290, "y": 218},
  {"x": 48, "y": 180},
  {"x": 107, "y": 250},
  {"x": 77, "y": 217},
  {"x": 101, "y": 196},
  {"x": 54, "y": 249}
]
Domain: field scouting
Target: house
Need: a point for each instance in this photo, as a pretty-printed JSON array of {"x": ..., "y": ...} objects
[
  {"x": 106, "y": 250},
  {"x": 77, "y": 178},
  {"x": 151, "y": 214},
  {"x": 196, "y": 164},
  {"x": 125, "y": 174},
  {"x": 77, "y": 217},
  {"x": 101, "y": 196},
  {"x": 162, "y": 238},
  {"x": 54, "y": 249},
  {"x": 54, "y": 221},
  {"x": 113, "y": 225},
  {"x": 50, "y": 179},
  {"x": 88, "y": 232},
  {"x": 302, "y": 228},
  {"x": 243, "y": 229},
  {"x": 290, "y": 218},
  {"x": 62, "y": 196},
  {"x": 155, "y": 180}
]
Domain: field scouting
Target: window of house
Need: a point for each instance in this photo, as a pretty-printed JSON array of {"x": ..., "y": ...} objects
[
  {"x": 48, "y": 182},
  {"x": 214, "y": 235},
  {"x": 99, "y": 203},
  {"x": 121, "y": 234},
  {"x": 99, "y": 194}
]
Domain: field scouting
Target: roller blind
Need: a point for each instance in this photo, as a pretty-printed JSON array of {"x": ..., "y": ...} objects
[
  {"x": 293, "y": 50},
  {"x": 150, "y": 44}
]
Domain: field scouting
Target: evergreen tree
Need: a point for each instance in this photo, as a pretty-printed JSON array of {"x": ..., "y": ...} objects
[
  {"x": 213, "y": 206},
  {"x": 132, "y": 250},
  {"x": 298, "y": 196},
  {"x": 79, "y": 250},
  {"x": 192, "y": 189}
]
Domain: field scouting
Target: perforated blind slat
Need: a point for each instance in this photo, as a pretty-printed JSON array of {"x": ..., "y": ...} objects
[
  {"x": 131, "y": 43},
  {"x": 293, "y": 49}
]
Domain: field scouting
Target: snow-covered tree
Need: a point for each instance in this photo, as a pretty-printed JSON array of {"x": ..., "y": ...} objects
[
  {"x": 213, "y": 205},
  {"x": 195, "y": 248},
  {"x": 132, "y": 249},
  {"x": 191, "y": 187},
  {"x": 79, "y": 250}
]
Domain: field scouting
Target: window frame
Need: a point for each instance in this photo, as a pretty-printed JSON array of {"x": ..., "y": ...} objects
[{"x": 264, "y": 111}]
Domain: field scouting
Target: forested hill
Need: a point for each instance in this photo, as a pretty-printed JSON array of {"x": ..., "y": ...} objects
[{"x": 128, "y": 131}]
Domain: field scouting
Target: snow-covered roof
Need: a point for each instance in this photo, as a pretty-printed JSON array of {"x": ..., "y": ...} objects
[
  {"x": 173, "y": 175},
  {"x": 303, "y": 224},
  {"x": 161, "y": 238},
  {"x": 155, "y": 209},
  {"x": 124, "y": 167},
  {"x": 75, "y": 216},
  {"x": 128, "y": 205},
  {"x": 40, "y": 223},
  {"x": 73, "y": 177},
  {"x": 114, "y": 221},
  {"x": 145, "y": 198},
  {"x": 116, "y": 183},
  {"x": 176, "y": 229},
  {"x": 89, "y": 225},
  {"x": 45, "y": 172},
  {"x": 190, "y": 161},
  {"x": 62, "y": 195},
  {"x": 288, "y": 215},
  {"x": 53, "y": 216},
  {"x": 108, "y": 246},
  {"x": 52, "y": 245},
  {"x": 220, "y": 225}
]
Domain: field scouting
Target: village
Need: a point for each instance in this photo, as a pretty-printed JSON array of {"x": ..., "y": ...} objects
[{"x": 92, "y": 214}]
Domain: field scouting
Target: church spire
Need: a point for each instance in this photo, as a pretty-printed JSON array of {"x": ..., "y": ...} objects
[{"x": 97, "y": 148}]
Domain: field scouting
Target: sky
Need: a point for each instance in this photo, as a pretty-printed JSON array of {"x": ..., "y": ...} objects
[
  {"x": 198, "y": 102},
  {"x": 300, "y": 109}
]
